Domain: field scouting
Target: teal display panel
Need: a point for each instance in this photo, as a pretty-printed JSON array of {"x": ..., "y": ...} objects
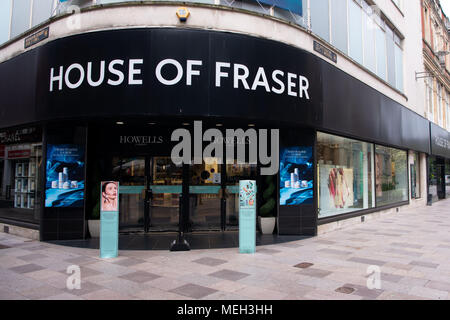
[
  {"x": 247, "y": 216},
  {"x": 109, "y": 220}
]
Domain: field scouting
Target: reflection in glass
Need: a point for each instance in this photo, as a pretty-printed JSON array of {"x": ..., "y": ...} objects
[
  {"x": 345, "y": 172},
  {"x": 166, "y": 189},
  {"x": 391, "y": 175},
  {"x": 235, "y": 173},
  {"x": 131, "y": 174},
  {"x": 204, "y": 195},
  {"x": 447, "y": 177}
]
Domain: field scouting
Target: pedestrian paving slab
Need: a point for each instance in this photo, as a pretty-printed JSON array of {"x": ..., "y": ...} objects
[{"x": 411, "y": 249}]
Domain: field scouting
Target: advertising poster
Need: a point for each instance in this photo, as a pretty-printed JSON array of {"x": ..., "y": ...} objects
[
  {"x": 110, "y": 197},
  {"x": 65, "y": 176},
  {"x": 296, "y": 176},
  {"x": 336, "y": 188}
]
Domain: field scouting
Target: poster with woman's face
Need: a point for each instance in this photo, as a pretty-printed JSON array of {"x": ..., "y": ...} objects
[{"x": 110, "y": 196}]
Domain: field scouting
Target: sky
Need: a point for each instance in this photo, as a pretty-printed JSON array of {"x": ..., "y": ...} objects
[{"x": 445, "y": 4}]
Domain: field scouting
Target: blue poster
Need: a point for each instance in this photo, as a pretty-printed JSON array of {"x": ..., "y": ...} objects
[
  {"x": 295, "y": 6},
  {"x": 65, "y": 176},
  {"x": 296, "y": 176},
  {"x": 247, "y": 216}
]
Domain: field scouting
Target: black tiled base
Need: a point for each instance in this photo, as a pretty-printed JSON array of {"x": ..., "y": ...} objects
[{"x": 162, "y": 241}]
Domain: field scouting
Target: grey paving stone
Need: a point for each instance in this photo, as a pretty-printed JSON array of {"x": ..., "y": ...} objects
[
  {"x": 32, "y": 256},
  {"x": 367, "y": 261},
  {"x": 336, "y": 252},
  {"x": 81, "y": 260},
  {"x": 26, "y": 268},
  {"x": 424, "y": 264},
  {"x": 325, "y": 241},
  {"x": 140, "y": 276},
  {"x": 406, "y": 252},
  {"x": 267, "y": 251},
  {"x": 193, "y": 291},
  {"x": 316, "y": 273},
  {"x": 128, "y": 262},
  {"x": 406, "y": 245},
  {"x": 229, "y": 275},
  {"x": 36, "y": 247},
  {"x": 390, "y": 277},
  {"x": 364, "y": 291},
  {"x": 86, "y": 287},
  {"x": 210, "y": 261},
  {"x": 41, "y": 292},
  {"x": 439, "y": 285}
]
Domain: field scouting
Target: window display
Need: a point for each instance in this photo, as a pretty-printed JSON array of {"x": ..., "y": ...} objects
[
  {"x": 19, "y": 191},
  {"x": 415, "y": 176},
  {"x": 391, "y": 175},
  {"x": 447, "y": 178},
  {"x": 345, "y": 171}
]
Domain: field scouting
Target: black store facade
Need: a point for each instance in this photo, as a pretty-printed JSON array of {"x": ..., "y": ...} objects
[
  {"x": 439, "y": 164},
  {"x": 113, "y": 99}
]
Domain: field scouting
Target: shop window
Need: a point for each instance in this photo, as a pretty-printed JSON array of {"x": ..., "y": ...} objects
[
  {"x": 433, "y": 177},
  {"x": 345, "y": 172},
  {"x": 5, "y": 19},
  {"x": 391, "y": 176},
  {"x": 19, "y": 187},
  {"x": 447, "y": 178},
  {"x": 415, "y": 176}
]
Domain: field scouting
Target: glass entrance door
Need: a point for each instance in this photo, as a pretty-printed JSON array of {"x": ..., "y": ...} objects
[
  {"x": 132, "y": 176},
  {"x": 166, "y": 186},
  {"x": 205, "y": 196}
]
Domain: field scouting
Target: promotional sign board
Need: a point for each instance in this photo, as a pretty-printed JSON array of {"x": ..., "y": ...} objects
[
  {"x": 109, "y": 219},
  {"x": 65, "y": 176},
  {"x": 247, "y": 216},
  {"x": 296, "y": 176}
]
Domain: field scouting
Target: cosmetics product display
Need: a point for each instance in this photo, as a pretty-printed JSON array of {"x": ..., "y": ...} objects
[{"x": 295, "y": 181}]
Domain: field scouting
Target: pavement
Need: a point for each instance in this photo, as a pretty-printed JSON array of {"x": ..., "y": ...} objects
[{"x": 400, "y": 256}]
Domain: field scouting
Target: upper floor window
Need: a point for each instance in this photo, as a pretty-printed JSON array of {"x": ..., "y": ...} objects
[
  {"x": 439, "y": 103},
  {"x": 447, "y": 109},
  {"x": 429, "y": 98},
  {"x": 356, "y": 29}
]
